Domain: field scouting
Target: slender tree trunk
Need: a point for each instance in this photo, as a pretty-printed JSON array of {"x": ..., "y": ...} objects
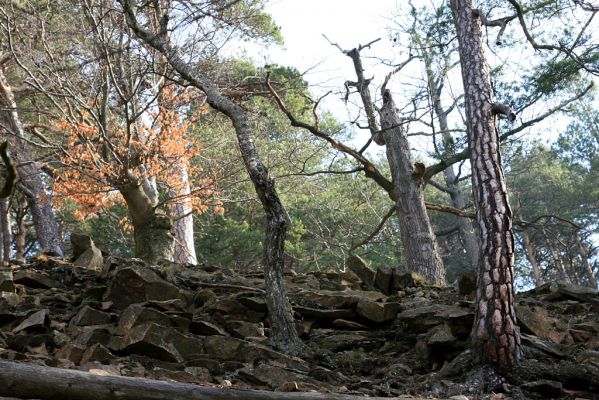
[
  {"x": 558, "y": 264},
  {"x": 31, "y": 183},
  {"x": 420, "y": 245},
  {"x": 465, "y": 227},
  {"x": 283, "y": 334},
  {"x": 21, "y": 236},
  {"x": 495, "y": 334},
  {"x": 181, "y": 214},
  {"x": 6, "y": 231},
  {"x": 584, "y": 257},
  {"x": 151, "y": 226},
  {"x": 531, "y": 256}
]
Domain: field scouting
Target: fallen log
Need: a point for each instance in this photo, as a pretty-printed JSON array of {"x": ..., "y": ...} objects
[{"x": 46, "y": 383}]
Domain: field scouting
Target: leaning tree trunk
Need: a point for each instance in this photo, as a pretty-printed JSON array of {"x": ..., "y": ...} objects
[
  {"x": 417, "y": 235},
  {"x": 283, "y": 333},
  {"x": 495, "y": 334},
  {"x": 151, "y": 226},
  {"x": 31, "y": 183}
]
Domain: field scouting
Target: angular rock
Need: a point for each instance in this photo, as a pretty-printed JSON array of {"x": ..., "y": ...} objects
[
  {"x": 359, "y": 267},
  {"x": 335, "y": 299},
  {"x": 138, "y": 285},
  {"x": 408, "y": 280},
  {"x": 91, "y": 316},
  {"x": 376, "y": 311},
  {"x": 162, "y": 343},
  {"x": 325, "y": 314},
  {"x": 349, "y": 325},
  {"x": 6, "y": 282},
  {"x": 71, "y": 352},
  {"x": 245, "y": 329},
  {"x": 383, "y": 280},
  {"x": 34, "y": 279},
  {"x": 85, "y": 252},
  {"x": 37, "y": 321},
  {"x": 90, "y": 335},
  {"x": 223, "y": 347},
  {"x": 421, "y": 319},
  {"x": 233, "y": 309},
  {"x": 97, "y": 352},
  {"x": 138, "y": 314},
  {"x": 201, "y": 327},
  {"x": 536, "y": 320},
  {"x": 545, "y": 388},
  {"x": 22, "y": 342}
]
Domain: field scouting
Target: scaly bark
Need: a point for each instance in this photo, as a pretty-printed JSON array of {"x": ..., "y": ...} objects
[
  {"x": 417, "y": 236},
  {"x": 495, "y": 334},
  {"x": 283, "y": 334}
]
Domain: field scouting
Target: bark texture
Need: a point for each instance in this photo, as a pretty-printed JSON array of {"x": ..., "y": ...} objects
[
  {"x": 417, "y": 236},
  {"x": 6, "y": 231},
  {"x": 31, "y": 183},
  {"x": 151, "y": 226},
  {"x": 184, "y": 251},
  {"x": 283, "y": 334},
  {"x": 47, "y": 383},
  {"x": 495, "y": 335}
]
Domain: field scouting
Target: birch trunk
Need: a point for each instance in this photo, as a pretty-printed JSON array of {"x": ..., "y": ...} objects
[
  {"x": 31, "y": 183},
  {"x": 417, "y": 236},
  {"x": 495, "y": 334},
  {"x": 283, "y": 333},
  {"x": 184, "y": 251}
]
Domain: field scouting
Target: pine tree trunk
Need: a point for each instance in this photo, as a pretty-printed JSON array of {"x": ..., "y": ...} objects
[
  {"x": 184, "y": 251},
  {"x": 283, "y": 334},
  {"x": 417, "y": 236},
  {"x": 31, "y": 183},
  {"x": 495, "y": 334}
]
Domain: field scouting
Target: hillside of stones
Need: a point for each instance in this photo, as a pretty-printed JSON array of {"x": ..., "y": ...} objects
[{"x": 366, "y": 333}]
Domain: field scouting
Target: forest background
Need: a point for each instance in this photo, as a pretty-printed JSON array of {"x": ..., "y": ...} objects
[{"x": 89, "y": 111}]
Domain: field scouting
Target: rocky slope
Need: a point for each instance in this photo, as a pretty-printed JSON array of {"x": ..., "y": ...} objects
[{"x": 388, "y": 337}]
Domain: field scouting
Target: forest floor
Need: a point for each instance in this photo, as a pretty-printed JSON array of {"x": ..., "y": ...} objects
[{"x": 208, "y": 325}]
